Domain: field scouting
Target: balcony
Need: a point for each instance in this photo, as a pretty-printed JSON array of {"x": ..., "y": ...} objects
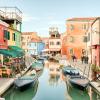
[{"x": 10, "y": 13}]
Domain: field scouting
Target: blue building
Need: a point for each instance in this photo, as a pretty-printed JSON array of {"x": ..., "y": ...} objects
[{"x": 35, "y": 47}]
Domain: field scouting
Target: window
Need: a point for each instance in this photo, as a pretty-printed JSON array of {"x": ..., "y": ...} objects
[
  {"x": 71, "y": 27},
  {"x": 51, "y": 43},
  {"x": 13, "y": 37},
  {"x": 7, "y": 34},
  {"x": 71, "y": 39},
  {"x": 71, "y": 51},
  {"x": 84, "y": 26},
  {"x": 83, "y": 51},
  {"x": 84, "y": 38},
  {"x": 58, "y": 43}
]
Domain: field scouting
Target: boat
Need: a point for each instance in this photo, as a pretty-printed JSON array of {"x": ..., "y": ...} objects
[
  {"x": 79, "y": 81},
  {"x": 68, "y": 70},
  {"x": 24, "y": 82},
  {"x": 37, "y": 66}
]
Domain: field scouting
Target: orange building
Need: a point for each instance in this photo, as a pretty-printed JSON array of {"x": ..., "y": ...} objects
[{"x": 76, "y": 39}]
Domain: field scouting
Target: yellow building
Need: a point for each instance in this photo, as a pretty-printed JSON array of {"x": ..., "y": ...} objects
[
  {"x": 11, "y": 40},
  {"x": 26, "y": 38}
]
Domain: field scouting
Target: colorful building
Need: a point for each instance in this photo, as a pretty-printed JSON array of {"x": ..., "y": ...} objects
[
  {"x": 93, "y": 43},
  {"x": 3, "y": 35},
  {"x": 76, "y": 36},
  {"x": 26, "y": 37},
  {"x": 55, "y": 42},
  {"x": 13, "y": 17},
  {"x": 35, "y": 46}
]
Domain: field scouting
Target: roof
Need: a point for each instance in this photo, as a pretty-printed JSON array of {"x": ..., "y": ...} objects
[
  {"x": 82, "y": 19},
  {"x": 35, "y": 40}
]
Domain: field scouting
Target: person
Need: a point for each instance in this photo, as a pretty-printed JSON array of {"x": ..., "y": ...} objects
[{"x": 87, "y": 58}]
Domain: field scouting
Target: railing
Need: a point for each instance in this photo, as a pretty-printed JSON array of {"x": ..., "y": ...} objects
[{"x": 11, "y": 13}]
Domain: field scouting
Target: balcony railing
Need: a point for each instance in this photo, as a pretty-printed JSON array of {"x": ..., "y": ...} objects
[{"x": 11, "y": 13}]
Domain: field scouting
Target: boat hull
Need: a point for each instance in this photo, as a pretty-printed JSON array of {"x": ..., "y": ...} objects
[
  {"x": 79, "y": 82},
  {"x": 23, "y": 84}
]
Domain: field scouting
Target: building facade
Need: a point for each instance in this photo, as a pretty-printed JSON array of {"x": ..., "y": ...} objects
[
  {"x": 26, "y": 37},
  {"x": 3, "y": 35},
  {"x": 13, "y": 17},
  {"x": 93, "y": 43},
  {"x": 55, "y": 42},
  {"x": 76, "y": 37},
  {"x": 35, "y": 47}
]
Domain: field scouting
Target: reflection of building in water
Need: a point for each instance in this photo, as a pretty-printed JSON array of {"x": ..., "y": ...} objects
[{"x": 53, "y": 79}]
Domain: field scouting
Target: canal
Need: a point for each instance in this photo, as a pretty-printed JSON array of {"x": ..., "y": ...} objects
[{"x": 51, "y": 86}]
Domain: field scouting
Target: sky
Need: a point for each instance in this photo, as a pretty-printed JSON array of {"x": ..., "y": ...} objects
[{"x": 39, "y": 15}]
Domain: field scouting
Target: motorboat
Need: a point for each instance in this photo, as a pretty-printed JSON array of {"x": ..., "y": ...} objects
[
  {"x": 24, "y": 82},
  {"x": 79, "y": 81},
  {"x": 68, "y": 70}
]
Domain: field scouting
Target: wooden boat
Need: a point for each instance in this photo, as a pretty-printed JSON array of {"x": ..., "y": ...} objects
[
  {"x": 80, "y": 82},
  {"x": 24, "y": 82},
  {"x": 68, "y": 70}
]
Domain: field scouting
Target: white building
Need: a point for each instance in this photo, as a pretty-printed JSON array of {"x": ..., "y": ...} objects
[{"x": 55, "y": 42}]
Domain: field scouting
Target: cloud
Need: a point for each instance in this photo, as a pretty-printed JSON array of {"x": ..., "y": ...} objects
[{"x": 27, "y": 18}]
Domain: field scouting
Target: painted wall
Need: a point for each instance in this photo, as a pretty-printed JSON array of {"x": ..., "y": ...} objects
[
  {"x": 3, "y": 41},
  {"x": 18, "y": 38},
  {"x": 35, "y": 48},
  {"x": 41, "y": 46},
  {"x": 32, "y": 48},
  {"x": 76, "y": 31},
  {"x": 11, "y": 41}
]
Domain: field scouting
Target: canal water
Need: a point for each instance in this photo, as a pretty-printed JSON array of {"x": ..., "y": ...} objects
[{"x": 51, "y": 86}]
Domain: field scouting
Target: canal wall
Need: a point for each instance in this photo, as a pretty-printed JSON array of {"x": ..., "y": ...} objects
[{"x": 5, "y": 83}]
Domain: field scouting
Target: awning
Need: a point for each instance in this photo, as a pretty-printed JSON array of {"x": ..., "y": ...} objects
[
  {"x": 18, "y": 50},
  {"x": 45, "y": 50},
  {"x": 12, "y": 51}
]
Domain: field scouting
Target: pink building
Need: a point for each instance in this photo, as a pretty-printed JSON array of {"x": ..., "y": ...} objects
[{"x": 95, "y": 41}]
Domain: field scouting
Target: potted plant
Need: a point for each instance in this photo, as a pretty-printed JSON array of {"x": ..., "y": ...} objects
[{"x": 95, "y": 70}]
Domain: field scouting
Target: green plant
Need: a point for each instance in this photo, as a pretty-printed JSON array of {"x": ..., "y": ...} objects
[
  {"x": 6, "y": 60},
  {"x": 95, "y": 68}
]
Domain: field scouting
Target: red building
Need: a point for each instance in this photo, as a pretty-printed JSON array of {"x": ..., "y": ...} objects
[{"x": 3, "y": 35}]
